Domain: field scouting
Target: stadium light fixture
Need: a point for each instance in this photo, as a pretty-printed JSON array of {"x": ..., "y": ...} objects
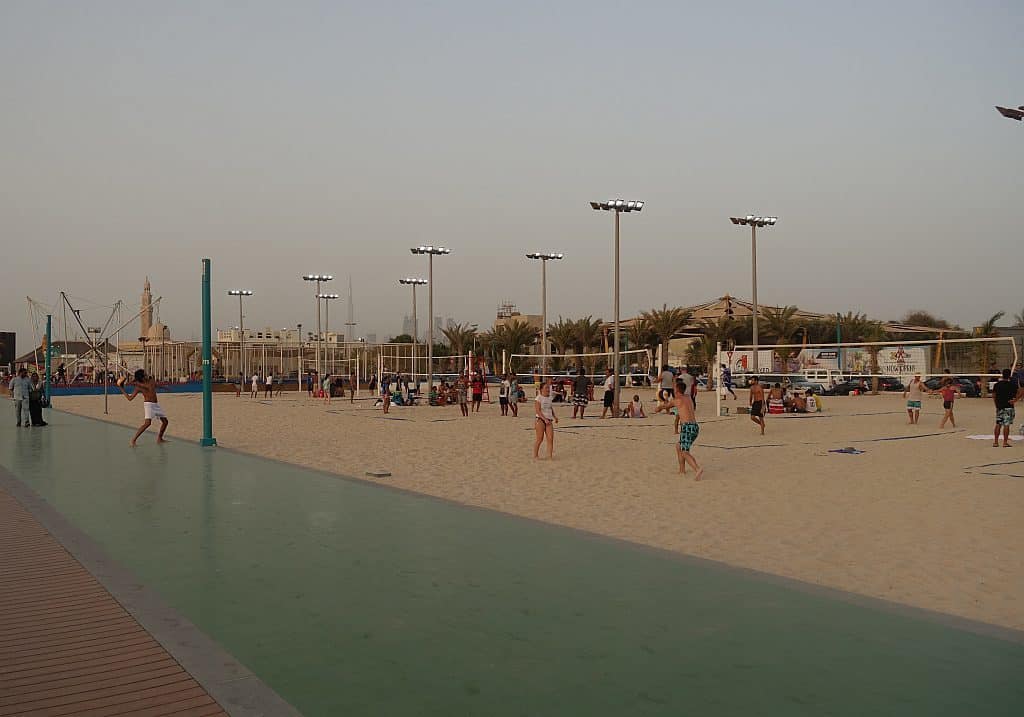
[
  {"x": 618, "y": 206},
  {"x": 754, "y": 221},
  {"x": 431, "y": 251},
  {"x": 544, "y": 258}
]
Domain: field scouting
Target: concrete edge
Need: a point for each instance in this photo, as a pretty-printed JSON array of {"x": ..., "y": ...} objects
[{"x": 232, "y": 684}]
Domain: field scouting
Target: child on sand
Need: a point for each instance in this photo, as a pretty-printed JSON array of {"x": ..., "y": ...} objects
[
  {"x": 688, "y": 430},
  {"x": 948, "y": 392},
  {"x": 757, "y": 402},
  {"x": 461, "y": 393},
  {"x": 146, "y": 385}
]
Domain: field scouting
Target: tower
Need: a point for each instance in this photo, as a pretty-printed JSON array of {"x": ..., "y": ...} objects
[{"x": 146, "y": 317}]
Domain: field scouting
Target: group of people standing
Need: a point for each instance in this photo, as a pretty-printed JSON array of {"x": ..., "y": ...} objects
[{"x": 29, "y": 397}]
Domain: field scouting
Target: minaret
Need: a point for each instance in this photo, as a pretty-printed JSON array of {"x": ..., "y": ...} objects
[{"x": 146, "y": 317}]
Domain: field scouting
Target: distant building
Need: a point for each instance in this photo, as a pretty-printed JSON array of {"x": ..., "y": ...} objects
[{"x": 508, "y": 314}]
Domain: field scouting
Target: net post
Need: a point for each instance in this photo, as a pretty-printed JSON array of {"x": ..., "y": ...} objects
[{"x": 717, "y": 373}]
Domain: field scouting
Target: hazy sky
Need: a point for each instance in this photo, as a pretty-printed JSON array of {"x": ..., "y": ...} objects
[{"x": 283, "y": 138}]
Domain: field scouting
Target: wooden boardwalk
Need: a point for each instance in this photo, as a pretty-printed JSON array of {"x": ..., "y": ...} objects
[{"x": 67, "y": 647}]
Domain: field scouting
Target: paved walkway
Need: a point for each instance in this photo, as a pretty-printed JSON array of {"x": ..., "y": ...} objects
[
  {"x": 67, "y": 647},
  {"x": 349, "y": 598}
]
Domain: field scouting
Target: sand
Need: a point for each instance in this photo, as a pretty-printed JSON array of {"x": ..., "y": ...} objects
[{"x": 923, "y": 521}]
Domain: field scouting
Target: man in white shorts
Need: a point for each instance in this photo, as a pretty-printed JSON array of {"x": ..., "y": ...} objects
[{"x": 150, "y": 406}]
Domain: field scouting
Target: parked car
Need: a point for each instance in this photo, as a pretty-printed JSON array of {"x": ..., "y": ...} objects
[
  {"x": 844, "y": 388},
  {"x": 889, "y": 383}
]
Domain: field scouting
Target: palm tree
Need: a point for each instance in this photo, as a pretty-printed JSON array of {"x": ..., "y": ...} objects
[
  {"x": 587, "y": 336},
  {"x": 987, "y": 330},
  {"x": 513, "y": 337},
  {"x": 561, "y": 335},
  {"x": 639, "y": 334},
  {"x": 873, "y": 331},
  {"x": 460, "y": 337},
  {"x": 714, "y": 332},
  {"x": 666, "y": 323},
  {"x": 782, "y": 324}
]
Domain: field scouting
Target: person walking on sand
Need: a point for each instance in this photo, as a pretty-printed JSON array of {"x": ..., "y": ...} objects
[
  {"x": 503, "y": 391},
  {"x": 544, "y": 425},
  {"x": 353, "y": 384},
  {"x": 666, "y": 381},
  {"x": 727, "y": 383},
  {"x": 609, "y": 394},
  {"x": 914, "y": 394},
  {"x": 326, "y": 386},
  {"x": 255, "y": 392},
  {"x": 580, "y": 386},
  {"x": 688, "y": 430},
  {"x": 948, "y": 392},
  {"x": 478, "y": 391},
  {"x": 757, "y": 402},
  {"x": 513, "y": 394},
  {"x": 241, "y": 382},
  {"x": 1004, "y": 394},
  {"x": 461, "y": 394},
  {"x": 268, "y": 386},
  {"x": 146, "y": 385}
]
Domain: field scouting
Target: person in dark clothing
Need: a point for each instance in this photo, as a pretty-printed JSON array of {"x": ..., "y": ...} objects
[
  {"x": 1005, "y": 393},
  {"x": 35, "y": 402}
]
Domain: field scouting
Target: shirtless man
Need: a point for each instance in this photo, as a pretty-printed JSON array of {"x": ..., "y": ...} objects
[
  {"x": 757, "y": 404},
  {"x": 688, "y": 430},
  {"x": 146, "y": 385}
]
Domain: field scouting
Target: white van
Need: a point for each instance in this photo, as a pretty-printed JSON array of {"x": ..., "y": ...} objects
[{"x": 827, "y": 377}]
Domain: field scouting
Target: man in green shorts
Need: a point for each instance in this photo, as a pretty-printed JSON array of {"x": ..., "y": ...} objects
[{"x": 688, "y": 430}]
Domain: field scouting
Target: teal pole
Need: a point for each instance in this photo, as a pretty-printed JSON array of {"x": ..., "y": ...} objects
[
  {"x": 207, "y": 439},
  {"x": 46, "y": 360}
]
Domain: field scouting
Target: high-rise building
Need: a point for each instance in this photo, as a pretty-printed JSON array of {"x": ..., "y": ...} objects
[{"x": 407, "y": 326}]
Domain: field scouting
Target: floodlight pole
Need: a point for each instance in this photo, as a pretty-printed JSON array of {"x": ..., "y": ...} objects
[
  {"x": 430, "y": 324},
  {"x": 618, "y": 206},
  {"x": 543, "y": 316},
  {"x": 430, "y": 251},
  {"x": 615, "y": 353},
  {"x": 544, "y": 259},
  {"x": 754, "y": 222},
  {"x": 753, "y": 265}
]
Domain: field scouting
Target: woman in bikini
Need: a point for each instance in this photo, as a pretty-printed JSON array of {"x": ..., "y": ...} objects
[{"x": 545, "y": 421}]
